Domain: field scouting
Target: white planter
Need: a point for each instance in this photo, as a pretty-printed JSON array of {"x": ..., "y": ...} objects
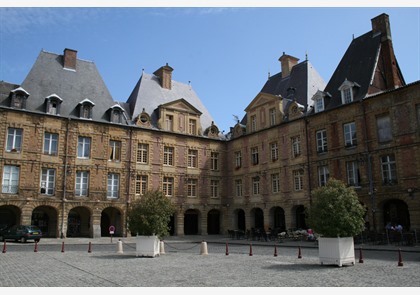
[
  {"x": 336, "y": 251},
  {"x": 147, "y": 246}
]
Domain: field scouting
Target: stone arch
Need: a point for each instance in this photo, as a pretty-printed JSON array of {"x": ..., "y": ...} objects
[
  {"x": 191, "y": 222},
  {"x": 298, "y": 217},
  {"x": 278, "y": 219},
  {"x": 46, "y": 218},
  {"x": 396, "y": 211},
  {"x": 112, "y": 216},
  {"x": 239, "y": 219},
  {"x": 10, "y": 215},
  {"x": 213, "y": 222},
  {"x": 257, "y": 218},
  {"x": 79, "y": 222}
]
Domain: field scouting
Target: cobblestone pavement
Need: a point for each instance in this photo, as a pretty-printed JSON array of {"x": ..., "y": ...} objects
[{"x": 228, "y": 264}]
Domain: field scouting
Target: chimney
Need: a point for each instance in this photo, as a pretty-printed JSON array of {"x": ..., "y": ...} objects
[
  {"x": 165, "y": 75},
  {"x": 381, "y": 25},
  {"x": 287, "y": 63},
  {"x": 69, "y": 59}
]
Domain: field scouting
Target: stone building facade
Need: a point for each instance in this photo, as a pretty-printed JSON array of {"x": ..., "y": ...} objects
[{"x": 74, "y": 159}]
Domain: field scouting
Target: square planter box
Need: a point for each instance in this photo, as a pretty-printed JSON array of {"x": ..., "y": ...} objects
[
  {"x": 336, "y": 251},
  {"x": 147, "y": 246}
]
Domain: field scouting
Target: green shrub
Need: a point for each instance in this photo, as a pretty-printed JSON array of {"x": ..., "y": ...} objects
[
  {"x": 336, "y": 211},
  {"x": 150, "y": 215}
]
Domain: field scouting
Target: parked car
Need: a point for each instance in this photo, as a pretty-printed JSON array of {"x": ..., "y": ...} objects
[
  {"x": 22, "y": 233},
  {"x": 3, "y": 229}
]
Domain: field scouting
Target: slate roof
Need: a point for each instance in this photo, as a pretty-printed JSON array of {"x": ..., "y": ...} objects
[
  {"x": 303, "y": 78},
  {"x": 357, "y": 65},
  {"x": 149, "y": 94},
  {"x": 48, "y": 77}
]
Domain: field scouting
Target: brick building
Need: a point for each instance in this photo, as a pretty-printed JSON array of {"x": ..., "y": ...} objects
[{"x": 74, "y": 159}]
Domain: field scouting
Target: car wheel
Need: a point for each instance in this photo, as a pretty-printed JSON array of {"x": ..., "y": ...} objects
[{"x": 23, "y": 240}]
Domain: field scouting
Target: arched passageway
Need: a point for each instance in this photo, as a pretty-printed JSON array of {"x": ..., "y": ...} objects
[
  {"x": 78, "y": 223},
  {"x": 45, "y": 217},
  {"x": 191, "y": 222},
  {"x": 213, "y": 222}
]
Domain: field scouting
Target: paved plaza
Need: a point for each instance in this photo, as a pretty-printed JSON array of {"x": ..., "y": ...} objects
[{"x": 228, "y": 263}]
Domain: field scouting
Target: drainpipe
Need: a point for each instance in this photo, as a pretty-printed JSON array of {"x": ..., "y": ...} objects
[
  {"x": 128, "y": 182},
  {"x": 369, "y": 168},
  {"x": 307, "y": 159},
  {"x": 65, "y": 178}
]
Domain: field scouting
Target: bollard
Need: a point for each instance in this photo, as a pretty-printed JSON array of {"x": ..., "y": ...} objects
[
  {"x": 400, "y": 263},
  {"x": 90, "y": 248},
  {"x": 4, "y": 247},
  {"x": 227, "y": 249},
  {"x": 299, "y": 253},
  {"x": 119, "y": 247},
  {"x": 360, "y": 255},
  {"x": 203, "y": 250},
  {"x": 62, "y": 247},
  {"x": 36, "y": 247},
  {"x": 162, "y": 248},
  {"x": 250, "y": 249},
  {"x": 275, "y": 251}
]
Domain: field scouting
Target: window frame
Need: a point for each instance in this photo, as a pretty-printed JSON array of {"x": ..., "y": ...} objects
[
  {"x": 49, "y": 140},
  {"x": 114, "y": 150},
  {"x": 14, "y": 139},
  {"x": 238, "y": 188},
  {"x": 350, "y": 134},
  {"x": 141, "y": 184},
  {"x": 298, "y": 179},
  {"x": 254, "y": 155},
  {"x": 168, "y": 186},
  {"x": 47, "y": 177},
  {"x": 10, "y": 179},
  {"x": 389, "y": 169},
  {"x": 82, "y": 180},
  {"x": 214, "y": 188},
  {"x": 192, "y": 159},
  {"x": 275, "y": 183},
  {"x": 353, "y": 173},
  {"x": 238, "y": 159},
  {"x": 113, "y": 186},
  {"x": 321, "y": 141},
  {"x": 274, "y": 151},
  {"x": 256, "y": 185},
  {"x": 168, "y": 155},
  {"x": 83, "y": 145},
  {"x": 384, "y": 128},
  {"x": 323, "y": 175},
  {"x": 142, "y": 156},
  {"x": 296, "y": 147}
]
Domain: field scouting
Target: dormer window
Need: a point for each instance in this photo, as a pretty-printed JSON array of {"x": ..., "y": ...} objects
[
  {"x": 347, "y": 91},
  {"x": 116, "y": 114},
  {"x": 86, "y": 109},
  {"x": 52, "y": 104},
  {"x": 319, "y": 101},
  {"x": 19, "y": 97}
]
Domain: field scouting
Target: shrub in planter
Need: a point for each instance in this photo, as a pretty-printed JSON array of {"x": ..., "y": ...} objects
[{"x": 336, "y": 215}]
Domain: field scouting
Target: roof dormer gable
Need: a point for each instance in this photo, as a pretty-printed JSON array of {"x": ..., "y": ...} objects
[
  {"x": 320, "y": 100},
  {"x": 347, "y": 90},
  {"x": 182, "y": 106},
  {"x": 18, "y": 98},
  {"x": 263, "y": 99}
]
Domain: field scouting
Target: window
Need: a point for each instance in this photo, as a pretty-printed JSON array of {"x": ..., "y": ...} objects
[
  {"x": 19, "y": 97},
  {"x": 192, "y": 187},
  {"x": 275, "y": 183},
  {"x": 238, "y": 187},
  {"x": 350, "y": 134},
  {"x": 347, "y": 96},
  {"x": 323, "y": 175},
  {"x": 169, "y": 122},
  {"x": 214, "y": 186},
  {"x": 116, "y": 116},
  {"x": 113, "y": 185},
  {"x": 192, "y": 158},
  {"x": 114, "y": 151},
  {"x": 383, "y": 125},
  {"x": 296, "y": 146},
  {"x": 168, "y": 185},
  {"x": 14, "y": 140},
  {"x": 141, "y": 184},
  {"x": 321, "y": 141},
  {"x": 53, "y": 103},
  {"x": 86, "y": 109},
  {"x": 47, "y": 181},
  {"x": 50, "y": 143},
  {"x": 298, "y": 180},
  {"x": 274, "y": 151},
  {"x": 238, "y": 159},
  {"x": 353, "y": 176},
  {"x": 319, "y": 104},
  {"x": 192, "y": 127},
  {"x": 168, "y": 156},
  {"x": 389, "y": 169},
  {"x": 82, "y": 183},
  {"x": 254, "y": 155},
  {"x": 253, "y": 123},
  {"x": 10, "y": 179},
  {"x": 255, "y": 185},
  {"x": 142, "y": 153},
  {"x": 83, "y": 147},
  {"x": 272, "y": 117},
  {"x": 214, "y": 161}
]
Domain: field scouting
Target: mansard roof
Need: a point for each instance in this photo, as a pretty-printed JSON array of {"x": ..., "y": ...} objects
[
  {"x": 303, "y": 79},
  {"x": 148, "y": 94},
  {"x": 48, "y": 76}
]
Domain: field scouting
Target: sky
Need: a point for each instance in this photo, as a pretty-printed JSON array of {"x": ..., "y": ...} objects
[{"x": 225, "y": 52}]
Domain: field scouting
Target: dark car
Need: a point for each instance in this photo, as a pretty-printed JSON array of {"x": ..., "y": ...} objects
[{"x": 22, "y": 233}]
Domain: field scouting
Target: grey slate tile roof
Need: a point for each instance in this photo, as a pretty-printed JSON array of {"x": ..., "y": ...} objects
[
  {"x": 48, "y": 76},
  {"x": 149, "y": 95}
]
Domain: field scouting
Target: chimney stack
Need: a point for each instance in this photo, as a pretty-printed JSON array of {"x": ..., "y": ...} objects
[
  {"x": 380, "y": 24},
  {"x": 165, "y": 75},
  {"x": 287, "y": 63},
  {"x": 69, "y": 59}
]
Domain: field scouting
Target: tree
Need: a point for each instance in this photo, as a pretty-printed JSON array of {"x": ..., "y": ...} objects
[
  {"x": 336, "y": 211},
  {"x": 150, "y": 215}
]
